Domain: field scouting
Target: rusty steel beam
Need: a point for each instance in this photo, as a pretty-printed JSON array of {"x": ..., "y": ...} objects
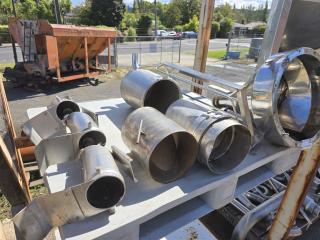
[{"x": 296, "y": 192}]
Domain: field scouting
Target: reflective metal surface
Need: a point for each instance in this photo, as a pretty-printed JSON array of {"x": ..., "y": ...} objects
[
  {"x": 223, "y": 142},
  {"x": 163, "y": 148},
  {"x": 102, "y": 189},
  {"x": 285, "y": 99},
  {"x": 292, "y": 24},
  {"x": 107, "y": 185},
  {"x": 35, "y": 128},
  {"x": 141, "y": 88},
  {"x": 79, "y": 122}
]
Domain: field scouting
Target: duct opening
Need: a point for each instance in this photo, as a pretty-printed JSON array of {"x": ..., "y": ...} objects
[
  {"x": 161, "y": 95},
  {"x": 66, "y": 107},
  {"x": 229, "y": 148},
  {"x": 298, "y": 107},
  {"x": 172, "y": 157},
  {"x": 92, "y": 138},
  {"x": 105, "y": 192}
]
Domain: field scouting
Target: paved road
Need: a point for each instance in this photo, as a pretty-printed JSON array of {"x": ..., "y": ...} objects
[{"x": 187, "y": 45}]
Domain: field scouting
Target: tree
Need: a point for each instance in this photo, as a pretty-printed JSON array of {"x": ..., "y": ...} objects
[
  {"x": 187, "y": 8},
  {"x": 102, "y": 12},
  {"x": 225, "y": 27},
  {"x": 129, "y": 20},
  {"x": 215, "y": 29},
  {"x": 265, "y": 12},
  {"x": 193, "y": 25},
  {"x": 144, "y": 25},
  {"x": 173, "y": 16}
]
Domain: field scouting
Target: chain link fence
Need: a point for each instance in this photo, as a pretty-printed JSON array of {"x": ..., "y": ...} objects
[{"x": 152, "y": 50}]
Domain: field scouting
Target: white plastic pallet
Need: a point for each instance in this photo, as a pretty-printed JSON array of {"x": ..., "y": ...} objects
[{"x": 151, "y": 210}]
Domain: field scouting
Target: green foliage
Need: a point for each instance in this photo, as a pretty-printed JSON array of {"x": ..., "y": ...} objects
[
  {"x": 178, "y": 28},
  {"x": 32, "y": 9},
  {"x": 129, "y": 20},
  {"x": 193, "y": 25},
  {"x": 173, "y": 16},
  {"x": 215, "y": 29},
  {"x": 225, "y": 26},
  {"x": 131, "y": 33},
  {"x": 143, "y": 25},
  {"x": 261, "y": 29},
  {"x": 4, "y": 34},
  {"x": 104, "y": 12}
]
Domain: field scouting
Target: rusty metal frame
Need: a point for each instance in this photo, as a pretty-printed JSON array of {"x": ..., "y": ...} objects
[
  {"x": 20, "y": 172},
  {"x": 296, "y": 192}
]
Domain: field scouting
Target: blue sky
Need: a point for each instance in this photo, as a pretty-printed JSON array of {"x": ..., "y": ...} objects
[{"x": 238, "y": 3}]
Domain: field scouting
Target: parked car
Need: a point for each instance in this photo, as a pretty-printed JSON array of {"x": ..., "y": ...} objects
[
  {"x": 162, "y": 33},
  {"x": 172, "y": 34},
  {"x": 178, "y": 36},
  {"x": 190, "y": 34}
]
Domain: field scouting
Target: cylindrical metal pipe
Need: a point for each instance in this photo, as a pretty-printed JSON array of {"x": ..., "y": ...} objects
[
  {"x": 107, "y": 185},
  {"x": 285, "y": 98},
  {"x": 141, "y": 88},
  {"x": 65, "y": 107},
  {"x": 163, "y": 147},
  {"x": 223, "y": 142},
  {"x": 79, "y": 122}
]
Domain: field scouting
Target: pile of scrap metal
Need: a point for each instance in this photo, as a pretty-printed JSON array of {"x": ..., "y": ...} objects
[
  {"x": 66, "y": 132},
  {"x": 167, "y": 131},
  {"x": 57, "y": 52}
]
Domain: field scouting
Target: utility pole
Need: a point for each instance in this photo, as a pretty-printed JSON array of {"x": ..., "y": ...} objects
[
  {"x": 14, "y": 50},
  {"x": 14, "y": 8},
  {"x": 155, "y": 18},
  {"x": 203, "y": 40},
  {"x": 57, "y": 11}
]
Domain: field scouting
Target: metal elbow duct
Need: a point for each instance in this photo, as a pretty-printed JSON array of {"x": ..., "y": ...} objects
[
  {"x": 35, "y": 128},
  {"x": 79, "y": 122},
  {"x": 140, "y": 88},
  {"x": 107, "y": 186},
  {"x": 223, "y": 142},
  {"x": 163, "y": 147},
  {"x": 286, "y": 96},
  {"x": 103, "y": 187}
]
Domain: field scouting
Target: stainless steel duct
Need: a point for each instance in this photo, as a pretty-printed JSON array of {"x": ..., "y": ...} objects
[
  {"x": 35, "y": 128},
  {"x": 103, "y": 187},
  {"x": 141, "y": 88},
  {"x": 286, "y": 96},
  {"x": 79, "y": 122},
  {"x": 163, "y": 147},
  {"x": 223, "y": 142},
  {"x": 107, "y": 185}
]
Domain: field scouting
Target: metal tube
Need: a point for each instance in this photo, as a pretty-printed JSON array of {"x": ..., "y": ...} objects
[
  {"x": 223, "y": 142},
  {"x": 285, "y": 98},
  {"x": 250, "y": 219},
  {"x": 295, "y": 194},
  {"x": 141, "y": 88},
  {"x": 107, "y": 186},
  {"x": 165, "y": 149},
  {"x": 79, "y": 122}
]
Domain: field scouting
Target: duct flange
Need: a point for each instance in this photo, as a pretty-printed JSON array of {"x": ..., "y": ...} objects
[
  {"x": 223, "y": 142},
  {"x": 286, "y": 96},
  {"x": 49, "y": 123},
  {"x": 163, "y": 147},
  {"x": 141, "y": 88}
]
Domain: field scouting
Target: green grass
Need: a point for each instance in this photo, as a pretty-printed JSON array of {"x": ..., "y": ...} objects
[
  {"x": 4, "y": 65},
  {"x": 220, "y": 53}
]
